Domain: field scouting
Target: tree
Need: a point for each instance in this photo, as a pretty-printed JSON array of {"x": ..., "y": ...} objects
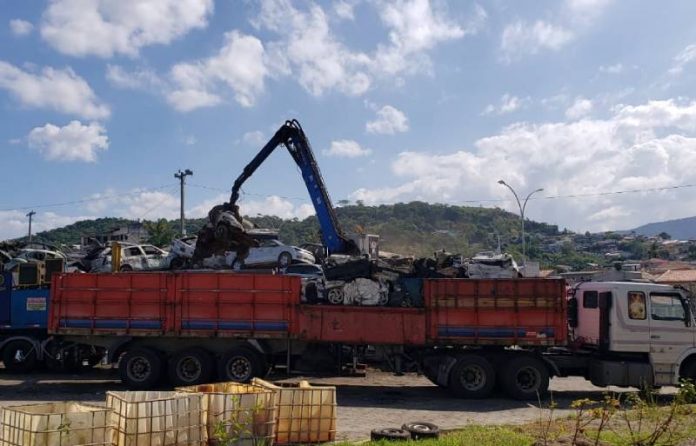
[
  {"x": 161, "y": 232},
  {"x": 664, "y": 236}
]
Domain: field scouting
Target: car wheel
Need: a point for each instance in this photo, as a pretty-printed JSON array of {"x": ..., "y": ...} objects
[
  {"x": 421, "y": 430},
  {"x": 389, "y": 433},
  {"x": 190, "y": 367},
  {"x": 525, "y": 378},
  {"x": 177, "y": 263},
  {"x": 241, "y": 364},
  {"x": 222, "y": 232},
  {"x": 284, "y": 260},
  {"x": 126, "y": 268},
  {"x": 472, "y": 377},
  {"x": 335, "y": 296},
  {"x": 141, "y": 368},
  {"x": 19, "y": 356}
]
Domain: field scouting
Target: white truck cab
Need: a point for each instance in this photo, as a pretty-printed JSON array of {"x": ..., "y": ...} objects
[{"x": 639, "y": 333}]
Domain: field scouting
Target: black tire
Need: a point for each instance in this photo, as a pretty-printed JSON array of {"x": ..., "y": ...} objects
[
  {"x": 284, "y": 260},
  {"x": 525, "y": 378},
  {"x": 222, "y": 232},
  {"x": 125, "y": 268},
  {"x": 389, "y": 433},
  {"x": 177, "y": 263},
  {"x": 420, "y": 430},
  {"x": 472, "y": 376},
  {"x": 190, "y": 367},
  {"x": 19, "y": 356},
  {"x": 141, "y": 368},
  {"x": 241, "y": 364},
  {"x": 688, "y": 371}
]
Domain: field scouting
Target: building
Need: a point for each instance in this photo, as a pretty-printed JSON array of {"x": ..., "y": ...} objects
[{"x": 133, "y": 232}]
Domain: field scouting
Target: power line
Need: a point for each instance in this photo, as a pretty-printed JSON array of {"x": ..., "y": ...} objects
[{"x": 90, "y": 200}]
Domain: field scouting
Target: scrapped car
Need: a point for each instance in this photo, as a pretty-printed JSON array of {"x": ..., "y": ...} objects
[
  {"x": 305, "y": 270},
  {"x": 30, "y": 255},
  {"x": 133, "y": 258},
  {"x": 276, "y": 253}
]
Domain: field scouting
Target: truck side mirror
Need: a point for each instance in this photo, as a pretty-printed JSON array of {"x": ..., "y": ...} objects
[{"x": 573, "y": 312}]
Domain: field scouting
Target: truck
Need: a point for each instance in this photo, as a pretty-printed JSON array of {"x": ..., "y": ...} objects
[{"x": 470, "y": 336}]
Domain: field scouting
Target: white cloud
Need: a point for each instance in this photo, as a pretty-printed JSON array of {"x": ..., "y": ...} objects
[
  {"x": 271, "y": 205},
  {"x": 684, "y": 58},
  {"x": 73, "y": 142},
  {"x": 344, "y": 9},
  {"x": 520, "y": 38},
  {"x": 254, "y": 138},
  {"x": 649, "y": 145},
  {"x": 580, "y": 108},
  {"x": 190, "y": 140},
  {"x": 20, "y": 27},
  {"x": 14, "y": 223},
  {"x": 239, "y": 65},
  {"x": 508, "y": 104},
  {"x": 141, "y": 79},
  {"x": 55, "y": 89},
  {"x": 346, "y": 148},
  {"x": 389, "y": 120},
  {"x": 416, "y": 26},
  {"x": 612, "y": 69},
  {"x": 106, "y": 27}
]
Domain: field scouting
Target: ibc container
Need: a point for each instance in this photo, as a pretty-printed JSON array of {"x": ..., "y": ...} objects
[
  {"x": 306, "y": 414},
  {"x": 238, "y": 414},
  {"x": 144, "y": 418},
  {"x": 54, "y": 424}
]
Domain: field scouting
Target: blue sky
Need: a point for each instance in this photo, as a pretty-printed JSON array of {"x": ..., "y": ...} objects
[{"x": 102, "y": 101}]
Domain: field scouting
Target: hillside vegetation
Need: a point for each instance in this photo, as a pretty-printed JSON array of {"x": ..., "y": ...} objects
[{"x": 414, "y": 228}]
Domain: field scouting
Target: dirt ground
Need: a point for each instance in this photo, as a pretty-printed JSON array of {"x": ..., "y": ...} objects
[{"x": 377, "y": 400}]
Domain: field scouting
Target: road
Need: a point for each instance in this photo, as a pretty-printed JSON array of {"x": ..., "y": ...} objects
[{"x": 377, "y": 400}]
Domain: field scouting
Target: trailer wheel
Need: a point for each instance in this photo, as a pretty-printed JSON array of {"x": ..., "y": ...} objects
[
  {"x": 284, "y": 260},
  {"x": 141, "y": 368},
  {"x": 421, "y": 430},
  {"x": 19, "y": 356},
  {"x": 525, "y": 378},
  {"x": 190, "y": 367},
  {"x": 472, "y": 376},
  {"x": 241, "y": 364},
  {"x": 389, "y": 433}
]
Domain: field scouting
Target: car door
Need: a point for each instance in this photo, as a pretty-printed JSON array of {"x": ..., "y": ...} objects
[
  {"x": 153, "y": 256},
  {"x": 671, "y": 333},
  {"x": 265, "y": 253}
]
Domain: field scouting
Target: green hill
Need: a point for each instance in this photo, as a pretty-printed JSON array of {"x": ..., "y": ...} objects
[{"x": 414, "y": 228}]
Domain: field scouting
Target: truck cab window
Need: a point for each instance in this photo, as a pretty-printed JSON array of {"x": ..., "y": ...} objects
[
  {"x": 666, "y": 307},
  {"x": 636, "y": 305},
  {"x": 590, "y": 299}
]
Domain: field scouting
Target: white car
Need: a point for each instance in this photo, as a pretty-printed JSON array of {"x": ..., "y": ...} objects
[
  {"x": 274, "y": 252},
  {"x": 133, "y": 258}
]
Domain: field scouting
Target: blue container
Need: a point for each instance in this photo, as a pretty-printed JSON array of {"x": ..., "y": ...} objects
[{"x": 29, "y": 308}]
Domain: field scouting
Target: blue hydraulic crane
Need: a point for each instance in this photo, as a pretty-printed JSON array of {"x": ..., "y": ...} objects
[{"x": 291, "y": 135}]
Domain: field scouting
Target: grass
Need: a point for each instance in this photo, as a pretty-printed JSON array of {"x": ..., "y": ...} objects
[{"x": 473, "y": 435}]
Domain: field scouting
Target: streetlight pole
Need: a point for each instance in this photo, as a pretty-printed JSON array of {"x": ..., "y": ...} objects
[
  {"x": 30, "y": 215},
  {"x": 522, "y": 207},
  {"x": 181, "y": 176}
]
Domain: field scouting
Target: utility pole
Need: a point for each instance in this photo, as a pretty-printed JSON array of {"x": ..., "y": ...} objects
[
  {"x": 181, "y": 176},
  {"x": 30, "y": 215},
  {"x": 522, "y": 209}
]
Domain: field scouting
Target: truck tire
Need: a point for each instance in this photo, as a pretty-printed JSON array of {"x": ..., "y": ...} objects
[
  {"x": 141, "y": 368},
  {"x": 241, "y": 364},
  {"x": 389, "y": 433},
  {"x": 190, "y": 367},
  {"x": 472, "y": 376},
  {"x": 421, "y": 430},
  {"x": 525, "y": 378},
  {"x": 688, "y": 371},
  {"x": 19, "y": 356}
]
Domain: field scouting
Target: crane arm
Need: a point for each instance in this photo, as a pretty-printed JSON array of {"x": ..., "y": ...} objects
[{"x": 295, "y": 141}]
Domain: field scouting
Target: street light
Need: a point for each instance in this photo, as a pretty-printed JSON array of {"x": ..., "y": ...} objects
[
  {"x": 522, "y": 207},
  {"x": 181, "y": 176}
]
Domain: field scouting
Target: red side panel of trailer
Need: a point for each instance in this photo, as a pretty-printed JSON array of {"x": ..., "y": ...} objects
[
  {"x": 361, "y": 325},
  {"x": 496, "y": 311}
]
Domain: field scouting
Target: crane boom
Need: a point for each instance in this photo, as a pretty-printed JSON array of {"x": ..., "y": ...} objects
[{"x": 291, "y": 135}]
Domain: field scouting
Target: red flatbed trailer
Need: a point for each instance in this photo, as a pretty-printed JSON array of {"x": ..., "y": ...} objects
[{"x": 186, "y": 322}]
